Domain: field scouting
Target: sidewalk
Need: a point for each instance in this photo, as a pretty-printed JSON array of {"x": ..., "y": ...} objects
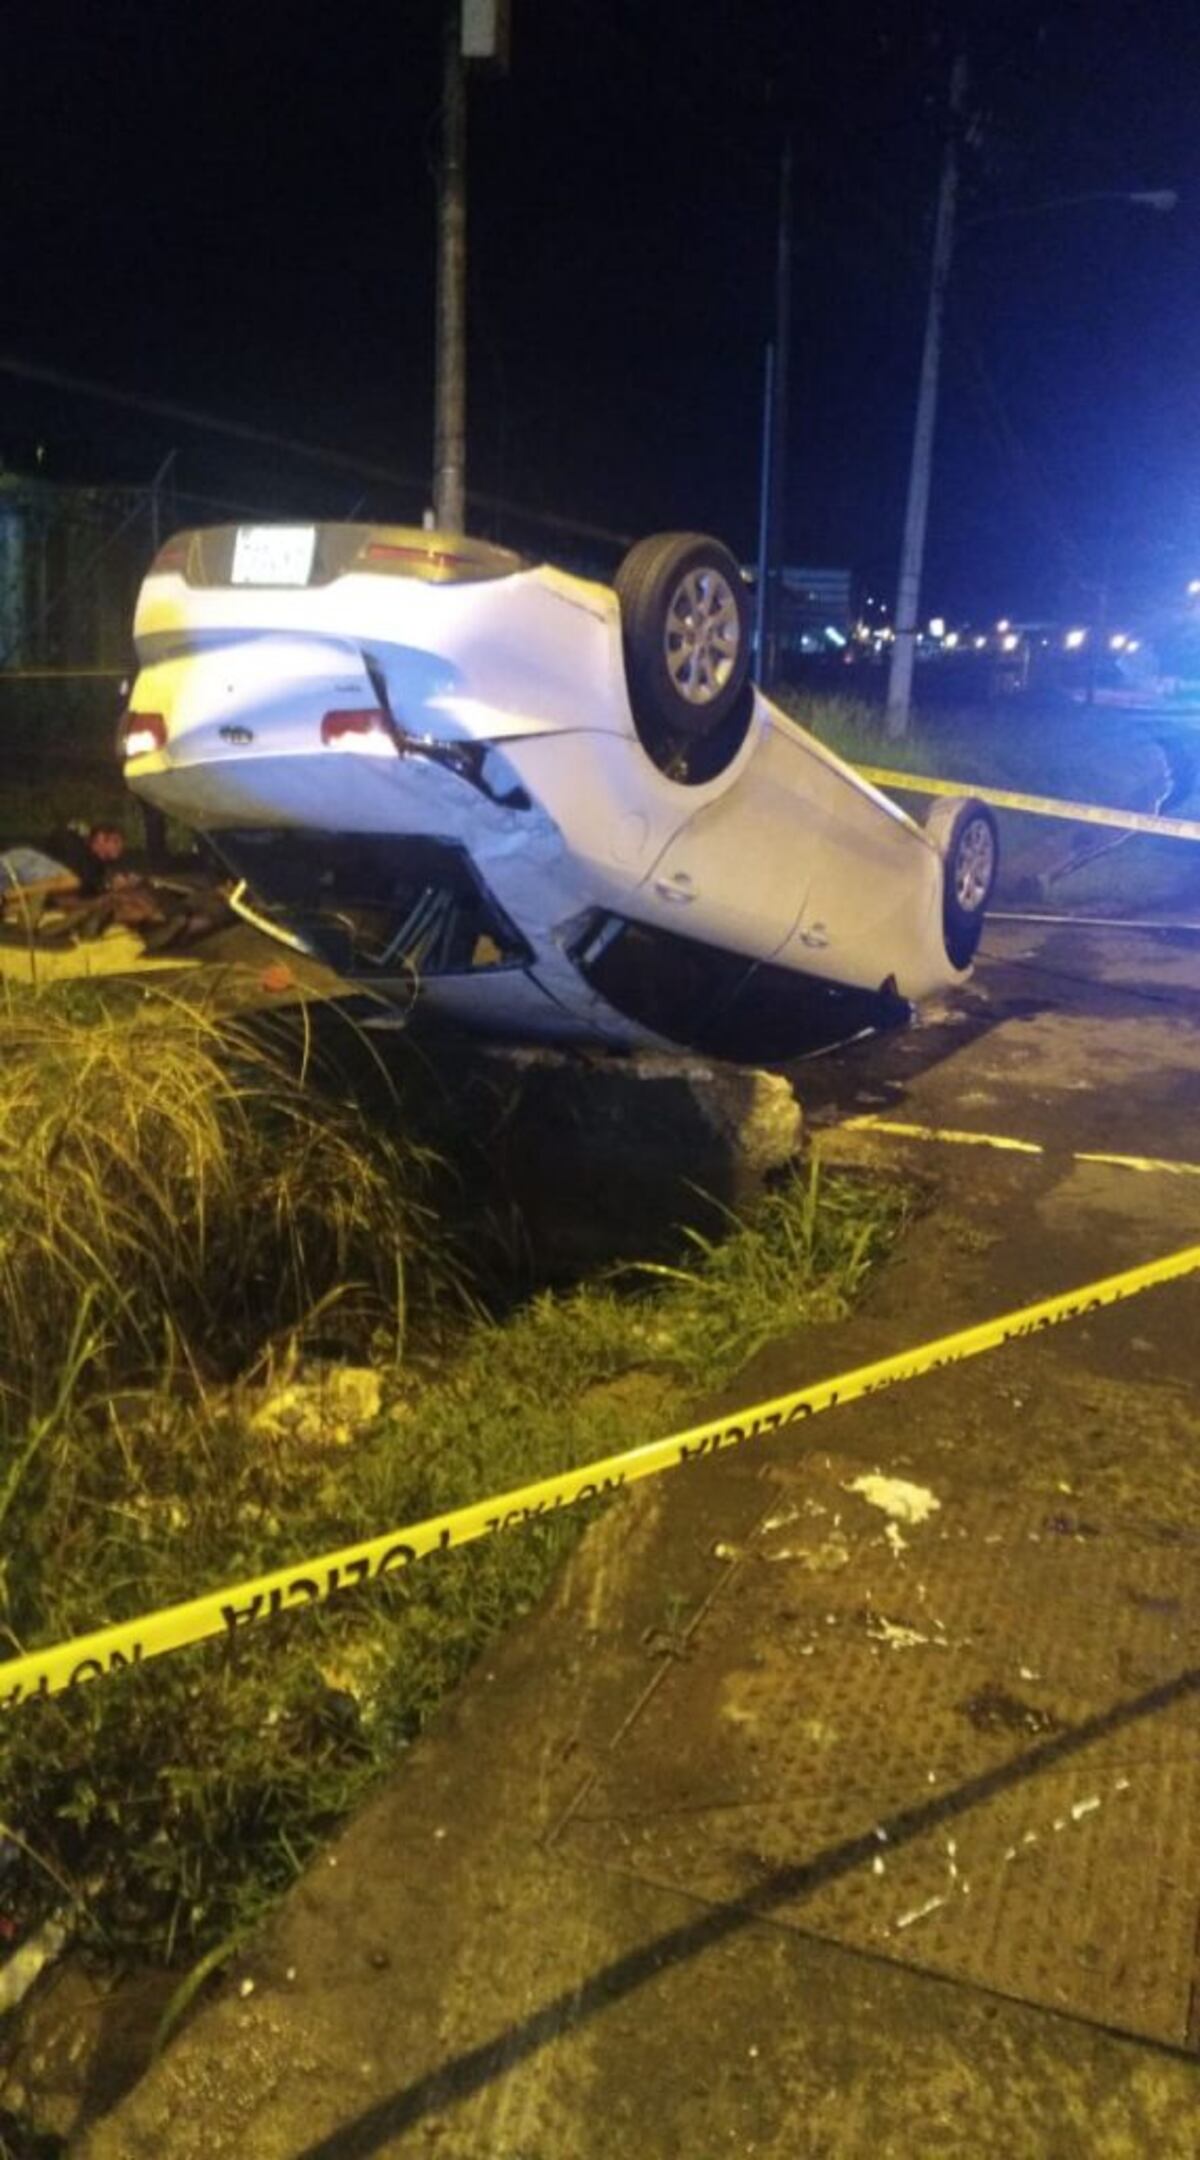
[{"x": 790, "y": 1825}]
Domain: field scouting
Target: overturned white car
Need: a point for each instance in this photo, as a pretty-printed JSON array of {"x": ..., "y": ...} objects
[{"x": 553, "y": 808}]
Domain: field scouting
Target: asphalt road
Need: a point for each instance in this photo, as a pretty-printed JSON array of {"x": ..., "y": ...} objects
[{"x": 791, "y": 1826}]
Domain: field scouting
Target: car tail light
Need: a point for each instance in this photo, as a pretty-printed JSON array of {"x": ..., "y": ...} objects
[
  {"x": 365, "y": 727},
  {"x": 394, "y": 551},
  {"x": 140, "y": 733}
]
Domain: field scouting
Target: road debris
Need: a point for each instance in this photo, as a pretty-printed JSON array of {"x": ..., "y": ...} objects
[
  {"x": 904, "y": 1502},
  {"x": 920, "y": 1912},
  {"x": 27, "y": 1963},
  {"x": 898, "y": 1635},
  {"x": 823, "y": 1559}
]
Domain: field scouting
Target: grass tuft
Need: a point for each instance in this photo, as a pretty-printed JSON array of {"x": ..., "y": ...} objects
[{"x": 177, "y": 1197}]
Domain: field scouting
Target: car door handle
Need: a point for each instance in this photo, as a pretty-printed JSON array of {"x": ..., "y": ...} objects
[{"x": 677, "y": 888}]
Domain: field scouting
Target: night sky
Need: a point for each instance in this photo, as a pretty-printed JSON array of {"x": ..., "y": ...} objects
[{"x": 231, "y": 208}]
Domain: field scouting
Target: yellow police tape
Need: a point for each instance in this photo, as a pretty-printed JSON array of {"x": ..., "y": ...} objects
[
  {"x": 230, "y": 1611},
  {"x": 1077, "y": 813}
]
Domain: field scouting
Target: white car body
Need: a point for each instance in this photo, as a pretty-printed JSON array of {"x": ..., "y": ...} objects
[{"x": 371, "y": 725}]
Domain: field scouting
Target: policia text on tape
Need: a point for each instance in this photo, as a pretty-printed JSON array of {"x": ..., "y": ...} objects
[{"x": 229, "y": 1612}]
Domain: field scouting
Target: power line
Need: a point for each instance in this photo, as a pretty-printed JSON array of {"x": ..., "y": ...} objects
[{"x": 292, "y": 446}]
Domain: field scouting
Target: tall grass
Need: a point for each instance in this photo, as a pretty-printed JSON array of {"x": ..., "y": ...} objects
[
  {"x": 176, "y": 1195},
  {"x": 187, "y": 1199},
  {"x": 803, "y": 1256}
]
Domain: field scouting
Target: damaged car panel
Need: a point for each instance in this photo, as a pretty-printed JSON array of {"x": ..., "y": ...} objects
[{"x": 552, "y": 808}]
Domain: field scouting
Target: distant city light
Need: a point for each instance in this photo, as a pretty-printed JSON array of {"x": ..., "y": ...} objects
[
  {"x": 1074, "y": 639},
  {"x": 1194, "y": 588},
  {"x": 951, "y": 639},
  {"x": 937, "y": 626},
  {"x": 835, "y": 636},
  {"x": 1003, "y": 625},
  {"x": 1118, "y": 641},
  {"x": 980, "y": 642},
  {"x": 1133, "y": 644},
  {"x": 1010, "y": 642}
]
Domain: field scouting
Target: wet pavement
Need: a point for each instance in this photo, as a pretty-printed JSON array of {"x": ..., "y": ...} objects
[{"x": 843, "y": 1799}]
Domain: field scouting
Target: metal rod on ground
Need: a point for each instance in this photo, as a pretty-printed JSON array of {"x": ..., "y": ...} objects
[{"x": 908, "y": 591}]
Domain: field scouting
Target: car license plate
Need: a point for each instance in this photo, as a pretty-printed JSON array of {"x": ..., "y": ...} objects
[{"x": 273, "y": 554}]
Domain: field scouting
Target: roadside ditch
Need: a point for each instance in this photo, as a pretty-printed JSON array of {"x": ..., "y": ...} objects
[{"x": 264, "y": 1290}]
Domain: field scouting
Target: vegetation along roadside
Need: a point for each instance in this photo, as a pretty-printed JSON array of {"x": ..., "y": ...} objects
[{"x": 232, "y": 1333}]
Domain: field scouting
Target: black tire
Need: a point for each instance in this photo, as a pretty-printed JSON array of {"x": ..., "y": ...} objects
[
  {"x": 685, "y": 628},
  {"x": 968, "y": 843}
]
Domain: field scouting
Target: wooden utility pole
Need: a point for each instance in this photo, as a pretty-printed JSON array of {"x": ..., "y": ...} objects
[
  {"x": 475, "y": 34},
  {"x": 905, "y": 622},
  {"x": 450, "y": 378}
]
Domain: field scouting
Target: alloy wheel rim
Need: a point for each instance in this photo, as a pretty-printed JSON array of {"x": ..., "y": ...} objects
[
  {"x": 703, "y": 635},
  {"x": 975, "y": 865}
]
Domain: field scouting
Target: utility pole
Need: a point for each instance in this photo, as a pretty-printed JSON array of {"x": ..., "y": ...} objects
[
  {"x": 450, "y": 366},
  {"x": 475, "y": 34},
  {"x": 764, "y": 521},
  {"x": 770, "y": 566},
  {"x": 908, "y": 591}
]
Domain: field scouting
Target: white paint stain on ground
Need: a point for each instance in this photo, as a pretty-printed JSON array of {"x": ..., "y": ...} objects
[{"x": 896, "y": 1497}]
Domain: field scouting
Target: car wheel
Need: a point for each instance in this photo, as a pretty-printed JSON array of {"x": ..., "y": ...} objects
[
  {"x": 685, "y": 627},
  {"x": 965, "y": 834}
]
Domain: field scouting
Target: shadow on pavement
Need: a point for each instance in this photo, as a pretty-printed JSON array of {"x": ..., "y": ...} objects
[
  {"x": 471, "y": 2072},
  {"x": 884, "y": 1067}
]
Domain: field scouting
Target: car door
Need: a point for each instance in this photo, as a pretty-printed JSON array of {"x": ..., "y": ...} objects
[
  {"x": 736, "y": 873},
  {"x": 873, "y": 903}
]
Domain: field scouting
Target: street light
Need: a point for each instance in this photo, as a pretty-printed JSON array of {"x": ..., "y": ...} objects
[{"x": 912, "y": 549}]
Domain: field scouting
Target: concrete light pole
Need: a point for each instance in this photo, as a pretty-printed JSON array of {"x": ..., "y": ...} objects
[
  {"x": 770, "y": 546},
  {"x": 762, "y": 664},
  {"x": 912, "y": 551},
  {"x": 908, "y": 593}
]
